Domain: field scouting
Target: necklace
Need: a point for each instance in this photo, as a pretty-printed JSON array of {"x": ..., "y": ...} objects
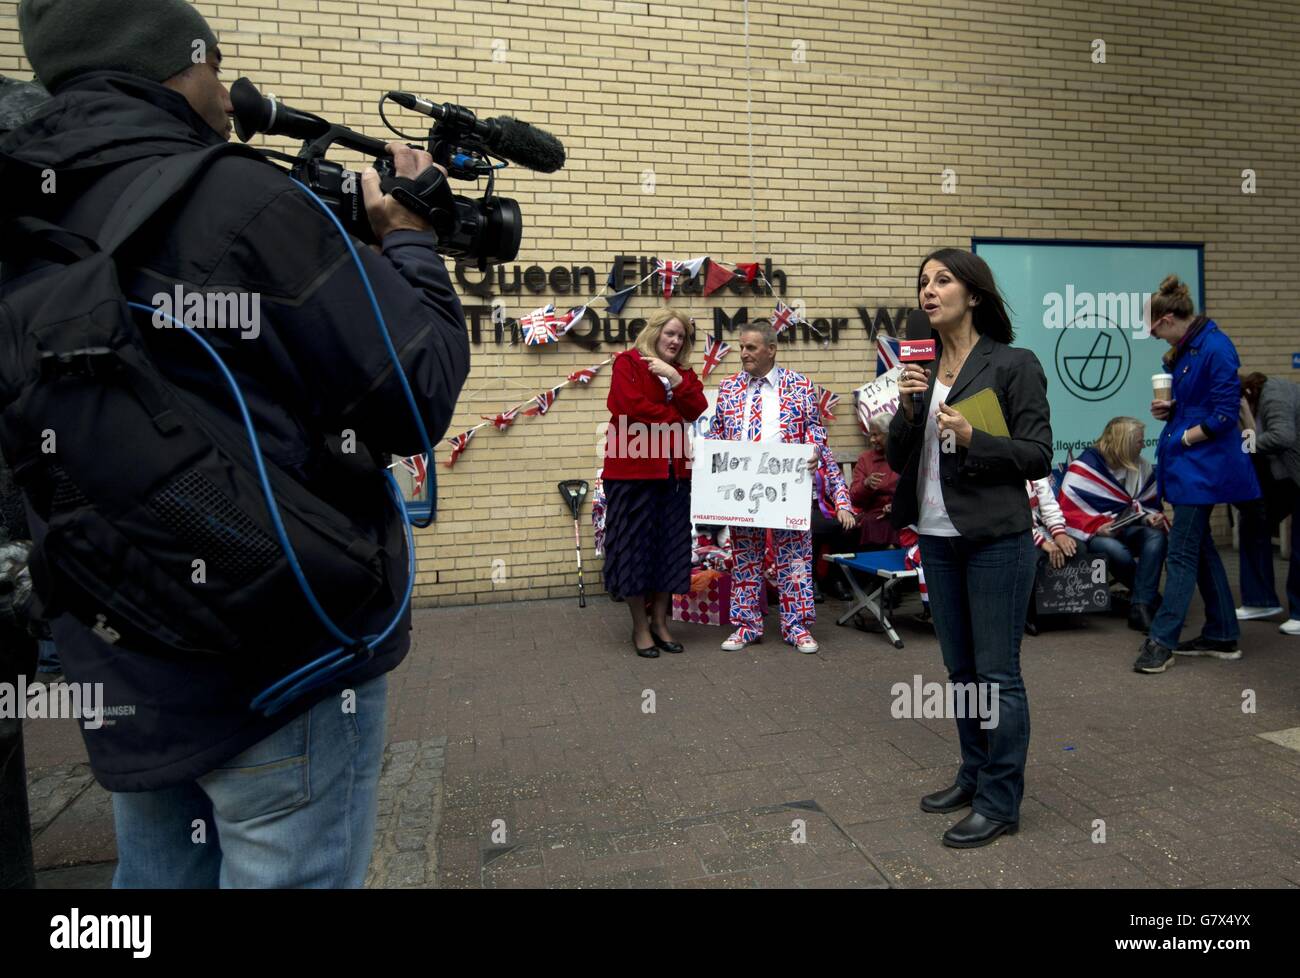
[{"x": 950, "y": 372}]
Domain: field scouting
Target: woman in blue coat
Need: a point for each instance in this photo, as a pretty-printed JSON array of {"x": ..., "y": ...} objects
[{"x": 1202, "y": 461}]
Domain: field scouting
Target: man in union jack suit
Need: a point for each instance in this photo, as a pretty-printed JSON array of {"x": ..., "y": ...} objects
[{"x": 769, "y": 403}]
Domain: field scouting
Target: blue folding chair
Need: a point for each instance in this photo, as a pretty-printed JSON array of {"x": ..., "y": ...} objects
[{"x": 888, "y": 566}]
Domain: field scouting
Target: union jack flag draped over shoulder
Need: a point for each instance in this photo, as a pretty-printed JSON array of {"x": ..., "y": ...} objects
[{"x": 1091, "y": 496}]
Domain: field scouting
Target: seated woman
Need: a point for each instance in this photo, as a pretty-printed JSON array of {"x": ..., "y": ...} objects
[
  {"x": 1112, "y": 483},
  {"x": 873, "y": 488},
  {"x": 828, "y": 537},
  {"x": 1050, "y": 534}
]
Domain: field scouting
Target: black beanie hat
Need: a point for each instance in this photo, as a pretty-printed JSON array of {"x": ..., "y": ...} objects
[{"x": 153, "y": 39}]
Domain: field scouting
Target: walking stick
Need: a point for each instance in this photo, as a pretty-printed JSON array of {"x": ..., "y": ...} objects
[{"x": 574, "y": 492}]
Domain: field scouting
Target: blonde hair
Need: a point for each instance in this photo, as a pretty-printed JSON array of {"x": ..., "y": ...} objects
[
  {"x": 1120, "y": 443},
  {"x": 1173, "y": 296},
  {"x": 647, "y": 341}
]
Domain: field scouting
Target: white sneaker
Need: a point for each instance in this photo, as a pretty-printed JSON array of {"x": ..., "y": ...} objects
[
  {"x": 736, "y": 642},
  {"x": 1249, "y": 612},
  {"x": 1290, "y": 627},
  {"x": 808, "y": 646}
]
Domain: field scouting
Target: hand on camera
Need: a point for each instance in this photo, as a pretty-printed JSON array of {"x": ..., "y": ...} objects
[{"x": 386, "y": 214}]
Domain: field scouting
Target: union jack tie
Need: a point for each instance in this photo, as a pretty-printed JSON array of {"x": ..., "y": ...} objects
[{"x": 755, "y": 431}]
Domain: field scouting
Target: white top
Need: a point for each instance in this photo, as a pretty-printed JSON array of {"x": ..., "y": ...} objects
[
  {"x": 771, "y": 406},
  {"x": 934, "y": 519}
]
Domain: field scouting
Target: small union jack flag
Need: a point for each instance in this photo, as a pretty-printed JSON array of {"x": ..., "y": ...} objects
[
  {"x": 543, "y": 402},
  {"x": 503, "y": 420},
  {"x": 566, "y": 322},
  {"x": 540, "y": 326},
  {"x": 714, "y": 351},
  {"x": 585, "y": 375},
  {"x": 416, "y": 465},
  {"x": 783, "y": 318},
  {"x": 458, "y": 445},
  {"x": 668, "y": 271},
  {"x": 886, "y": 355},
  {"x": 826, "y": 401}
]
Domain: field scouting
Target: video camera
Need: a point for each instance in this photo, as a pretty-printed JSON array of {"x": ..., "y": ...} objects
[{"x": 483, "y": 231}]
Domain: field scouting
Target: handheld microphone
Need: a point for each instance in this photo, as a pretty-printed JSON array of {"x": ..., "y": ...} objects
[
  {"x": 504, "y": 136},
  {"x": 917, "y": 347}
]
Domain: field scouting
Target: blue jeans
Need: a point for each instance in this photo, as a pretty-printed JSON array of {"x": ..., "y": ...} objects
[
  {"x": 295, "y": 810},
  {"x": 1257, "y": 583},
  {"x": 979, "y": 594},
  {"x": 1193, "y": 560},
  {"x": 1136, "y": 555}
]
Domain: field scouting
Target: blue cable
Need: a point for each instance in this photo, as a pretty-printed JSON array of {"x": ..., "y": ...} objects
[{"x": 335, "y": 663}]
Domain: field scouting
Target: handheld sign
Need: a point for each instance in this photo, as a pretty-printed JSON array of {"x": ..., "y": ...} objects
[
  {"x": 751, "y": 483},
  {"x": 1077, "y": 588}
]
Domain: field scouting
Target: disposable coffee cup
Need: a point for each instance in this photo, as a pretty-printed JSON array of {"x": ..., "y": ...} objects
[{"x": 1162, "y": 386}]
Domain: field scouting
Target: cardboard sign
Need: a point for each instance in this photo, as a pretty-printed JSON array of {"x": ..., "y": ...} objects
[
  {"x": 1077, "y": 588},
  {"x": 752, "y": 483},
  {"x": 878, "y": 397}
]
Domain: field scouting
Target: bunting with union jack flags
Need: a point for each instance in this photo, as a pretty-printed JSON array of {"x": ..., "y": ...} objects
[
  {"x": 541, "y": 326},
  {"x": 585, "y": 375},
  {"x": 416, "y": 465},
  {"x": 826, "y": 401},
  {"x": 784, "y": 317},
  {"x": 503, "y": 420},
  {"x": 543, "y": 402},
  {"x": 458, "y": 445},
  {"x": 714, "y": 351},
  {"x": 668, "y": 271}
]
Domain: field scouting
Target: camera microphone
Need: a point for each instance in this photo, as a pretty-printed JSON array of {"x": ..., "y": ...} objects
[
  {"x": 504, "y": 136},
  {"x": 917, "y": 347}
]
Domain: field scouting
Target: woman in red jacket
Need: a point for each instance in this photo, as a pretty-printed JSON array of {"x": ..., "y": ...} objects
[{"x": 653, "y": 398}]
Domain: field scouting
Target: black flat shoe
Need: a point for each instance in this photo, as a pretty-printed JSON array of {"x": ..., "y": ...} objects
[
  {"x": 666, "y": 646},
  {"x": 948, "y": 800},
  {"x": 975, "y": 830},
  {"x": 651, "y": 653}
]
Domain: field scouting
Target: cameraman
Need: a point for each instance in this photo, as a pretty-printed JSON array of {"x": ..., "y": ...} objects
[{"x": 206, "y": 792}]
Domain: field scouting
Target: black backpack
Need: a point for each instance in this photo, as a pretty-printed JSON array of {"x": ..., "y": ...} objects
[{"x": 142, "y": 484}]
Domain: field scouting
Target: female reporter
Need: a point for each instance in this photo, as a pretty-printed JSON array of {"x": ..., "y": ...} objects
[
  {"x": 965, "y": 491},
  {"x": 653, "y": 398},
  {"x": 1201, "y": 460}
]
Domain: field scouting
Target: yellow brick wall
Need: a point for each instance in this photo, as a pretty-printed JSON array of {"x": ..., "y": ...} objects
[{"x": 850, "y": 144}]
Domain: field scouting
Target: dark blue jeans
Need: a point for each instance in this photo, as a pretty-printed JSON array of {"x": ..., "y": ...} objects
[
  {"x": 1193, "y": 561},
  {"x": 1257, "y": 584},
  {"x": 1136, "y": 555},
  {"x": 979, "y": 594}
]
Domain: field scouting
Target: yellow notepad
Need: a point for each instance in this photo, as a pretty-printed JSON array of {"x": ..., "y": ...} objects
[{"x": 984, "y": 412}]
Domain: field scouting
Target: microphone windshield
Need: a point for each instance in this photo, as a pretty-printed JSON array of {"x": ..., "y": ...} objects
[
  {"x": 918, "y": 325},
  {"x": 526, "y": 145}
]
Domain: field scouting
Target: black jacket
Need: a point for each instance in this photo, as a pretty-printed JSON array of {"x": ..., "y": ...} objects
[
  {"x": 983, "y": 485},
  {"x": 317, "y": 368}
]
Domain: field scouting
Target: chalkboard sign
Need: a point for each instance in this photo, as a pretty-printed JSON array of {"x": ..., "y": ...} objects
[{"x": 1077, "y": 588}]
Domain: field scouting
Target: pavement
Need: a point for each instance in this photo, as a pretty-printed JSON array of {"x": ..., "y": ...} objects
[{"x": 529, "y": 747}]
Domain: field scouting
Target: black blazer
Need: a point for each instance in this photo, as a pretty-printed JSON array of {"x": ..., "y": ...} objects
[{"x": 984, "y": 485}]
